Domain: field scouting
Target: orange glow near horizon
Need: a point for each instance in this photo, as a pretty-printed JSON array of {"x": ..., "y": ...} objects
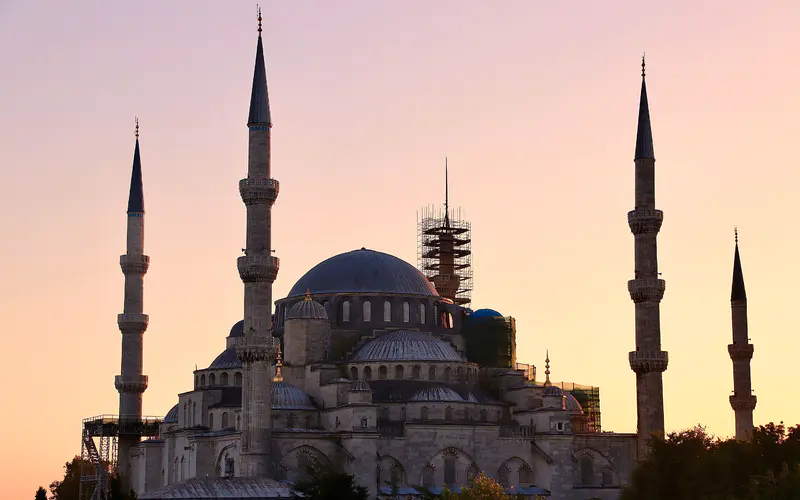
[{"x": 535, "y": 106}]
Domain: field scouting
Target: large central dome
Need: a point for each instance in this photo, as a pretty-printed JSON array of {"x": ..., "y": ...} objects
[{"x": 363, "y": 271}]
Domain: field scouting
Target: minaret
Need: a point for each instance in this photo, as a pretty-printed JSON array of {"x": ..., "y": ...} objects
[
  {"x": 547, "y": 382},
  {"x": 648, "y": 361},
  {"x": 132, "y": 322},
  {"x": 742, "y": 401},
  {"x": 257, "y": 269}
]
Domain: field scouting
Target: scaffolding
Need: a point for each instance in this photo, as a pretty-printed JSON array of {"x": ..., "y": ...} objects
[
  {"x": 589, "y": 398},
  {"x": 444, "y": 252},
  {"x": 99, "y": 441}
]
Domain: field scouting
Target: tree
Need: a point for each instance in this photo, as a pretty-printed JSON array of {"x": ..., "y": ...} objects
[
  {"x": 694, "y": 464},
  {"x": 324, "y": 483},
  {"x": 481, "y": 487},
  {"x": 68, "y": 487},
  {"x": 41, "y": 494}
]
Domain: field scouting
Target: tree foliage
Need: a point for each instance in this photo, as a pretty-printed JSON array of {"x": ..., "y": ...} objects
[
  {"x": 694, "y": 464},
  {"x": 69, "y": 486},
  {"x": 481, "y": 487},
  {"x": 324, "y": 483},
  {"x": 41, "y": 494}
]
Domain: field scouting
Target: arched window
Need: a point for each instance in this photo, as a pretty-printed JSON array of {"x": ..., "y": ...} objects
[
  {"x": 432, "y": 373},
  {"x": 194, "y": 412},
  {"x": 383, "y": 413},
  {"x": 229, "y": 466},
  {"x": 406, "y": 312},
  {"x": 467, "y": 413},
  {"x": 396, "y": 474},
  {"x": 398, "y": 372},
  {"x": 449, "y": 471},
  {"x": 223, "y": 379},
  {"x": 403, "y": 415},
  {"x": 525, "y": 475},
  {"x": 587, "y": 470},
  {"x": 196, "y": 381},
  {"x": 202, "y": 380},
  {"x": 422, "y": 312},
  {"x": 290, "y": 421},
  {"x": 382, "y": 373},
  {"x": 449, "y": 317},
  {"x": 447, "y": 374},
  {"x": 448, "y": 413},
  {"x": 367, "y": 373},
  {"x": 423, "y": 413},
  {"x": 212, "y": 379},
  {"x": 237, "y": 379},
  {"x": 185, "y": 415},
  {"x": 346, "y": 311},
  {"x": 607, "y": 478},
  {"x": 211, "y": 421},
  {"x": 459, "y": 375},
  {"x": 484, "y": 416},
  {"x": 366, "y": 311},
  {"x": 503, "y": 476},
  {"x": 309, "y": 422},
  {"x": 427, "y": 475},
  {"x": 387, "y": 311},
  {"x": 436, "y": 315},
  {"x": 225, "y": 420},
  {"x": 353, "y": 373},
  {"x": 416, "y": 372}
]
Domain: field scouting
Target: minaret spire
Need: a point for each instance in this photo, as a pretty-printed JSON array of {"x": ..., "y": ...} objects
[
  {"x": 648, "y": 361},
  {"x": 741, "y": 350},
  {"x": 258, "y": 269},
  {"x": 446, "y": 196},
  {"x": 131, "y": 383},
  {"x": 547, "y": 370}
]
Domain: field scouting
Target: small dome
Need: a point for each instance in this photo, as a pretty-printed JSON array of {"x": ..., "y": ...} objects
[
  {"x": 237, "y": 330},
  {"x": 307, "y": 309},
  {"x": 226, "y": 359},
  {"x": 552, "y": 390},
  {"x": 172, "y": 415},
  {"x": 486, "y": 313},
  {"x": 360, "y": 386},
  {"x": 288, "y": 397},
  {"x": 572, "y": 404},
  {"x": 405, "y": 345},
  {"x": 437, "y": 393}
]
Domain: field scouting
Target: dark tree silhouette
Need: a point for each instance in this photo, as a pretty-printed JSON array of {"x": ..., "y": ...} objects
[
  {"x": 41, "y": 494},
  {"x": 324, "y": 483}
]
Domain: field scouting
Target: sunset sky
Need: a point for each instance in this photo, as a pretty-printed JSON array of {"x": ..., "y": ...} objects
[{"x": 535, "y": 105}]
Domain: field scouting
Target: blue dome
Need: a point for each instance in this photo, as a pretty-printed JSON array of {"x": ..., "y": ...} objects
[
  {"x": 237, "y": 330},
  {"x": 572, "y": 404},
  {"x": 407, "y": 346},
  {"x": 364, "y": 271},
  {"x": 172, "y": 415},
  {"x": 552, "y": 390},
  {"x": 307, "y": 309},
  {"x": 226, "y": 359},
  {"x": 288, "y": 397},
  {"x": 486, "y": 313}
]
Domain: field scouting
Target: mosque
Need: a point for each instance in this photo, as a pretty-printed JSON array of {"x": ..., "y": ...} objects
[{"x": 374, "y": 369}]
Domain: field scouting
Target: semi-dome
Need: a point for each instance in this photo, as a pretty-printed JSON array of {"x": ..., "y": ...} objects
[
  {"x": 486, "y": 313},
  {"x": 364, "y": 271},
  {"x": 172, "y": 415},
  {"x": 237, "y": 330},
  {"x": 226, "y": 359},
  {"x": 405, "y": 345},
  {"x": 288, "y": 397},
  {"x": 437, "y": 393},
  {"x": 307, "y": 309},
  {"x": 572, "y": 404}
]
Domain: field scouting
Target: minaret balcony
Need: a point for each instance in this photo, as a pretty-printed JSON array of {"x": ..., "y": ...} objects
[
  {"x": 132, "y": 323},
  {"x": 648, "y": 361},
  {"x": 646, "y": 289},
  {"x": 134, "y": 264},
  {"x": 645, "y": 221},
  {"x": 258, "y": 191},
  {"x": 256, "y": 348},
  {"x": 131, "y": 383},
  {"x": 741, "y": 351},
  {"x": 745, "y": 402},
  {"x": 258, "y": 268}
]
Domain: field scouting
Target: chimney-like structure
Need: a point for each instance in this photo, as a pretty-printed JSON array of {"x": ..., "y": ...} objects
[
  {"x": 648, "y": 361},
  {"x": 258, "y": 270},
  {"x": 742, "y": 401},
  {"x": 132, "y": 322}
]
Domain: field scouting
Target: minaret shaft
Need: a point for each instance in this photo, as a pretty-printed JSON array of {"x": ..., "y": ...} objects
[
  {"x": 258, "y": 270},
  {"x": 648, "y": 361},
  {"x": 131, "y": 383},
  {"x": 741, "y": 351}
]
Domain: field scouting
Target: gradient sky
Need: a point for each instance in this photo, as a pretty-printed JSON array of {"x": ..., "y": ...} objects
[{"x": 535, "y": 105}]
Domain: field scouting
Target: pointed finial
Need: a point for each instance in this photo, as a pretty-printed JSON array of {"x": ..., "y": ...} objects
[
  {"x": 446, "y": 196},
  {"x": 278, "y": 363},
  {"x": 136, "y": 128},
  {"x": 259, "y": 18},
  {"x": 642, "y": 64},
  {"x": 736, "y": 235},
  {"x": 547, "y": 369},
  {"x": 308, "y": 294}
]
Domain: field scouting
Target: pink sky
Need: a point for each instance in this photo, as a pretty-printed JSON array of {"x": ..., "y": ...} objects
[{"x": 535, "y": 105}]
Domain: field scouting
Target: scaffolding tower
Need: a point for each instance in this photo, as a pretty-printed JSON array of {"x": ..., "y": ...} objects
[
  {"x": 99, "y": 436},
  {"x": 444, "y": 250},
  {"x": 589, "y": 398}
]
